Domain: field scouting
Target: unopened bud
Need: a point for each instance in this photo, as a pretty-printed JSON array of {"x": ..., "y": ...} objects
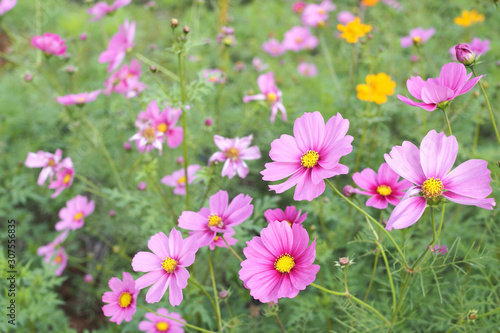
[
  {"x": 127, "y": 145},
  {"x": 112, "y": 213},
  {"x": 83, "y": 36},
  {"x": 152, "y": 69},
  {"x": 344, "y": 261},
  {"x": 472, "y": 315},
  {"x": 475, "y": 94},
  {"x": 116, "y": 248},
  {"x": 179, "y": 160},
  {"x": 464, "y": 54},
  {"x": 348, "y": 190},
  {"x": 223, "y": 294},
  {"x": 142, "y": 186},
  {"x": 174, "y": 23},
  {"x": 208, "y": 121},
  {"x": 28, "y": 77},
  {"x": 186, "y": 29},
  {"x": 369, "y": 36}
]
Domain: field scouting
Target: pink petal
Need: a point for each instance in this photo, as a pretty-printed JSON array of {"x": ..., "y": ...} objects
[
  {"x": 453, "y": 75},
  {"x": 278, "y": 170},
  {"x": 307, "y": 190},
  {"x": 367, "y": 179},
  {"x": 290, "y": 182},
  {"x": 487, "y": 203},
  {"x": 377, "y": 201},
  {"x": 406, "y": 213},
  {"x": 285, "y": 149},
  {"x": 148, "y": 279},
  {"x": 309, "y": 131},
  {"x": 405, "y": 161},
  {"x": 469, "y": 85},
  {"x": 437, "y": 154},
  {"x": 471, "y": 178},
  {"x": 174, "y": 137},
  {"x": 433, "y": 94},
  {"x": 158, "y": 245},
  {"x": 425, "y": 106},
  {"x": 218, "y": 203},
  {"x": 157, "y": 290}
]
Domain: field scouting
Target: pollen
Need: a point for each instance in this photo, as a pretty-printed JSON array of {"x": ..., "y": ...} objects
[
  {"x": 181, "y": 180},
  {"x": 284, "y": 263},
  {"x": 125, "y": 299},
  {"x": 309, "y": 159},
  {"x": 432, "y": 187},
  {"x": 162, "y": 127},
  {"x": 384, "y": 190},
  {"x": 162, "y": 326},
  {"x": 216, "y": 238},
  {"x": 271, "y": 97},
  {"x": 78, "y": 216},
  {"x": 169, "y": 265},
  {"x": 149, "y": 133},
  {"x": 67, "y": 178},
  {"x": 58, "y": 258},
  {"x": 233, "y": 153},
  {"x": 51, "y": 163},
  {"x": 416, "y": 40},
  {"x": 215, "y": 221}
]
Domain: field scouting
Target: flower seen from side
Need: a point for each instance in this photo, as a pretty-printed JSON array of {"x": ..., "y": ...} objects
[
  {"x": 307, "y": 69},
  {"x": 64, "y": 175},
  {"x": 79, "y": 99},
  {"x": 417, "y": 37},
  {"x": 50, "y": 44},
  {"x": 291, "y": 215},
  {"x": 101, "y": 9},
  {"x": 126, "y": 80},
  {"x": 299, "y": 38}
]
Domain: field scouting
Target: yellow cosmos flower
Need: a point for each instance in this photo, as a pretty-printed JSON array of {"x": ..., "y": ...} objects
[
  {"x": 369, "y": 3},
  {"x": 353, "y": 30},
  {"x": 377, "y": 89},
  {"x": 469, "y": 18}
]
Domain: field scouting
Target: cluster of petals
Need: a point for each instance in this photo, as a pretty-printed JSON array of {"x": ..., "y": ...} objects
[
  {"x": 453, "y": 81},
  {"x": 315, "y": 15},
  {"x": 158, "y": 324},
  {"x": 178, "y": 179},
  {"x": 72, "y": 216},
  {"x": 6, "y": 5},
  {"x": 417, "y": 36},
  {"x": 468, "y": 18},
  {"x": 310, "y": 156},
  {"x": 307, "y": 69},
  {"x": 233, "y": 153},
  {"x": 353, "y": 30},
  {"x": 291, "y": 215},
  {"x": 64, "y": 174},
  {"x": 214, "y": 76},
  {"x": 50, "y": 43},
  {"x": 219, "y": 218},
  {"x": 273, "y": 47},
  {"x": 299, "y": 38},
  {"x": 47, "y": 251},
  {"x": 79, "y": 99},
  {"x": 122, "y": 299},
  {"x": 166, "y": 266},
  {"x": 279, "y": 263},
  {"x": 383, "y": 187},
  {"x": 118, "y": 46},
  {"x": 269, "y": 93},
  {"x": 376, "y": 89},
  {"x": 102, "y": 9},
  {"x": 477, "y": 46},
  {"x": 428, "y": 168},
  {"x": 126, "y": 80}
]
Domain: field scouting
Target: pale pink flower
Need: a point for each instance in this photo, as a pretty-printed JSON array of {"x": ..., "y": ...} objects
[
  {"x": 259, "y": 65},
  {"x": 65, "y": 173},
  {"x": 233, "y": 153},
  {"x": 344, "y": 17},
  {"x": 273, "y": 47},
  {"x": 122, "y": 299},
  {"x": 214, "y": 76},
  {"x": 47, "y": 161},
  {"x": 79, "y": 99},
  {"x": 160, "y": 324},
  {"x": 299, "y": 38},
  {"x": 60, "y": 261},
  {"x": 72, "y": 216},
  {"x": 125, "y": 81},
  {"x": 6, "y": 5},
  {"x": 178, "y": 180},
  {"x": 102, "y": 9},
  {"x": 118, "y": 46},
  {"x": 417, "y": 36},
  {"x": 269, "y": 93},
  {"x": 47, "y": 251},
  {"x": 291, "y": 215},
  {"x": 307, "y": 69},
  {"x": 315, "y": 15},
  {"x": 50, "y": 44}
]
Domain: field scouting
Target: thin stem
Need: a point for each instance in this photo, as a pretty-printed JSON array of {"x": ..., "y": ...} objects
[
  {"x": 447, "y": 121},
  {"x": 159, "y": 67},
  {"x": 373, "y": 275},
  {"x": 415, "y": 265},
  {"x": 158, "y": 189},
  {"x": 476, "y": 138},
  {"x": 176, "y": 320},
  {"x": 389, "y": 275},
  {"x": 196, "y": 283},
  {"x": 180, "y": 59},
  {"x": 217, "y": 307},
  {"x": 38, "y": 27},
  {"x": 345, "y": 282},
  {"x": 488, "y": 313},
  {"x": 230, "y": 248},
  {"x": 329, "y": 63},
  {"x": 279, "y": 323},
  {"x": 86, "y": 181}
]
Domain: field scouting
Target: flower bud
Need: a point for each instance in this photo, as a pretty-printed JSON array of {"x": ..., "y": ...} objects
[
  {"x": 186, "y": 29},
  {"x": 344, "y": 261},
  {"x": 112, "y": 213},
  {"x": 88, "y": 278},
  {"x": 127, "y": 145},
  {"x": 208, "y": 122},
  {"x": 174, "y": 23},
  {"x": 83, "y": 36},
  {"x": 179, "y": 160},
  {"x": 298, "y": 7},
  {"x": 142, "y": 186},
  {"x": 28, "y": 77},
  {"x": 223, "y": 294},
  {"x": 348, "y": 190},
  {"x": 152, "y": 69},
  {"x": 464, "y": 54}
]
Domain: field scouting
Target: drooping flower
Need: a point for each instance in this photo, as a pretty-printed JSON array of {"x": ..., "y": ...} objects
[
  {"x": 50, "y": 43},
  {"x": 178, "y": 179},
  {"x": 259, "y": 65},
  {"x": 214, "y": 76},
  {"x": 307, "y": 69},
  {"x": 469, "y": 18},
  {"x": 476, "y": 46},
  {"x": 65, "y": 173},
  {"x": 269, "y": 93},
  {"x": 122, "y": 299},
  {"x": 47, "y": 251},
  {"x": 219, "y": 218},
  {"x": 439, "y": 92},
  {"x": 118, "y": 46},
  {"x": 417, "y": 36},
  {"x": 383, "y": 187},
  {"x": 226, "y": 37},
  {"x": 299, "y": 38},
  {"x": 344, "y": 17},
  {"x": 79, "y": 99},
  {"x": 160, "y": 324},
  {"x": 273, "y": 47},
  {"x": 353, "y": 30},
  {"x": 125, "y": 81},
  {"x": 291, "y": 215},
  {"x": 48, "y": 161},
  {"x": 72, "y": 216},
  {"x": 315, "y": 15},
  {"x": 429, "y": 169},
  {"x": 376, "y": 89},
  {"x": 6, "y": 5},
  {"x": 166, "y": 266},
  {"x": 310, "y": 157},
  {"x": 102, "y": 9},
  {"x": 279, "y": 263},
  {"x": 233, "y": 153}
]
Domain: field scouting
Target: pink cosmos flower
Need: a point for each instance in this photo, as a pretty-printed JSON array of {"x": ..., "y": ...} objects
[
  {"x": 73, "y": 214},
  {"x": 218, "y": 241},
  {"x": 219, "y": 218},
  {"x": 121, "y": 299},
  {"x": 452, "y": 82},
  {"x": 118, "y": 46},
  {"x": 48, "y": 250},
  {"x": 125, "y": 81},
  {"x": 394, "y": 4},
  {"x": 299, "y": 38},
  {"x": 178, "y": 179},
  {"x": 50, "y": 44},
  {"x": 214, "y": 76},
  {"x": 102, "y": 9},
  {"x": 60, "y": 261},
  {"x": 309, "y": 157},
  {"x": 233, "y": 153},
  {"x": 417, "y": 36},
  {"x": 383, "y": 188},
  {"x": 6, "y": 5},
  {"x": 269, "y": 93},
  {"x": 273, "y": 47},
  {"x": 437, "y": 249},
  {"x": 298, "y": 7},
  {"x": 159, "y": 324},
  {"x": 429, "y": 169},
  {"x": 345, "y": 17},
  {"x": 279, "y": 263},
  {"x": 477, "y": 46},
  {"x": 290, "y": 215},
  {"x": 142, "y": 186},
  {"x": 226, "y": 37},
  {"x": 49, "y": 162},
  {"x": 315, "y": 15},
  {"x": 79, "y": 99},
  {"x": 259, "y": 65},
  {"x": 307, "y": 69},
  {"x": 166, "y": 266},
  {"x": 65, "y": 173}
]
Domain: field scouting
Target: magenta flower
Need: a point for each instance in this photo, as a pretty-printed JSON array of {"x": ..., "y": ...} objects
[
  {"x": 219, "y": 218},
  {"x": 279, "y": 263},
  {"x": 218, "y": 241},
  {"x": 122, "y": 299},
  {"x": 125, "y": 81},
  {"x": 60, "y": 260},
  {"x": 233, "y": 153},
  {"x": 439, "y": 92},
  {"x": 299, "y": 38},
  {"x": 417, "y": 36},
  {"x": 166, "y": 266},
  {"x": 79, "y": 99},
  {"x": 50, "y": 44},
  {"x": 49, "y": 162},
  {"x": 259, "y": 65},
  {"x": 298, "y": 7},
  {"x": 290, "y": 215},
  {"x": 429, "y": 169},
  {"x": 6, "y": 5},
  {"x": 309, "y": 157},
  {"x": 73, "y": 214},
  {"x": 178, "y": 179},
  {"x": 383, "y": 188},
  {"x": 214, "y": 76},
  {"x": 477, "y": 46},
  {"x": 307, "y": 69},
  {"x": 102, "y": 9},
  {"x": 315, "y": 15},
  {"x": 118, "y": 46},
  {"x": 47, "y": 251},
  {"x": 159, "y": 324},
  {"x": 269, "y": 93},
  {"x": 273, "y": 47},
  {"x": 65, "y": 173},
  {"x": 345, "y": 17},
  {"x": 437, "y": 249}
]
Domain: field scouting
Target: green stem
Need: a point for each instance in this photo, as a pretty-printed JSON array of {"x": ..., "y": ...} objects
[
  {"x": 176, "y": 320},
  {"x": 447, "y": 121},
  {"x": 159, "y": 67},
  {"x": 488, "y": 313},
  {"x": 230, "y": 248},
  {"x": 86, "y": 181},
  {"x": 180, "y": 59},
  {"x": 345, "y": 282},
  {"x": 329, "y": 63},
  {"x": 373, "y": 275},
  {"x": 279, "y": 323},
  {"x": 415, "y": 265},
  {"x": 38, "y": 26},
  {"x": 160, "y": 192},
  {"x": 217, "y": 307},
  {"x": 196, "y": 283}
]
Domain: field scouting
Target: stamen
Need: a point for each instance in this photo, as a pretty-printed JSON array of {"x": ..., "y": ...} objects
[
  {"x": 284, "y": 263},
  {"x": 384, "y": 190},
  {"x": 169, "y": 265},
  {"x": 125, "y": 299},
  {"x": 215, "y": 221},
  {"x": 432, "y": 188},
  {"x": 309, "y": 159}
]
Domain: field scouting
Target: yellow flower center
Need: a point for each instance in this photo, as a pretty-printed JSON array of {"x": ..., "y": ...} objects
[
  {"x": 169, "y": 265},
  {"x": 284, "y": 263},
  {"x": 417, "y": 40},
  {"x": 321, "y": 11},
  {"x": 215, "y": 221},
  {"x": 80, "y": 99},
  {"x": 309, "y": 159},
  {"x": 51, "y": 162},
  {"x": 162, "y": 326},
  {"x": 181, "y": 180},
  {"x": 298, "y": 39},
  {"x": 290, "y": 223},
  {"x": 67, "y": 178},
  {"x": 271, "y": 97},
  {"x": 125, "y": 299},
  {"x": 233, "y": 153},
  {"x": 58, "y": 258},
  {"x": 149, "y": 133},
  {"x": 162, "y": 127},
  {"x": 321, "y": 24},
  {"x": 384, "y": 190},
  {"x": 213, "y": 79},
  {"x": 432, "y": 187},
  {"x": 216, "y": 238},
  {"x": 78, "y": 216}
]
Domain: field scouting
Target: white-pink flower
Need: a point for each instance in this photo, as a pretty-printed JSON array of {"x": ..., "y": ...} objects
[
  {"x": 273, "y": 47},
  {"x": 178, "y": 179},
  {"x": 79, "y": 99},
  {"x": 72, "y": 216},
  {"x": 299, "y": 38},
  {"x": 269, "y": 93},
  {"x": 307, "y": 69},
  {"x": 6, "y": 5},
  {"x": 118, "y": 46},
  {"x": 47, "y": 161},
  {"x": 102, "y": 9},
  {"x": 315, "y": 15}
]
